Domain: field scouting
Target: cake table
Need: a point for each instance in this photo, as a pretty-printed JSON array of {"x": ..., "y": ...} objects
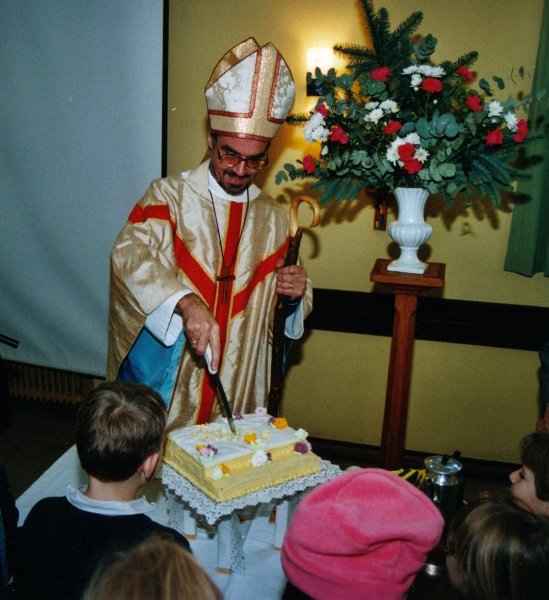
[{"x": 187, "y": 506}]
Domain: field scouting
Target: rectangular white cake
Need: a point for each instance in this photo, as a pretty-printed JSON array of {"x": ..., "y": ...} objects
[{"x": 264, "y": 452}]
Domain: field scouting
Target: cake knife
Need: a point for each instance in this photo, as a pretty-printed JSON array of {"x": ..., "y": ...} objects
[{"x": 217, "y": 382}]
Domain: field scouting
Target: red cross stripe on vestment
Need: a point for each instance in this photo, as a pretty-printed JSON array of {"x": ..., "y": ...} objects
[{"x": 207, "y": 287}]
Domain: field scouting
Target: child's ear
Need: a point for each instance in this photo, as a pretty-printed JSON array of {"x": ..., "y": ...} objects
[{"x": 148, "y": 467}]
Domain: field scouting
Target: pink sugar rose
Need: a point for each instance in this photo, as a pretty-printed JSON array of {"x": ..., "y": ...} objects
[
  {"x": 465, "y": 73},
  {"x": 522, "y": 131},
  {"x": 494, "y": 137},
  {"x": 431, "y": 85},
  {"x": 474, "y": 103},
  {"x": 381, "y": 74},
  {"x": 338, "y": 135},
  {"x": 309, "y": 164},
  {"x": 392, "y": 127}
]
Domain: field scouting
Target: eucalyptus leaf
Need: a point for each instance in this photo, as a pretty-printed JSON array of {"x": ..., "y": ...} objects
[{"x": 499, "y": 82}]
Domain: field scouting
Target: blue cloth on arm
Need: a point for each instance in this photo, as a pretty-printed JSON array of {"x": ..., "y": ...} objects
[{"x": 152, "y": 363}]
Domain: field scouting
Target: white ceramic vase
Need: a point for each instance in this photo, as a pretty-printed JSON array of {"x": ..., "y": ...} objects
[{"x": 409, "y": 231}]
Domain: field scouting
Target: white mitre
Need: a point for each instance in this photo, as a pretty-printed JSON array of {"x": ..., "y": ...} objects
[{"x": 250, "y": 92}]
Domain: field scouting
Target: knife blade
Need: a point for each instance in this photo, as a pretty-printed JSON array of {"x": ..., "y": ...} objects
[{"x": 221, "y": 391}]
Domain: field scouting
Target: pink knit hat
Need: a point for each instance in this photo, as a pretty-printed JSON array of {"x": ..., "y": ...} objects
[{"x": 363, "y": 535}]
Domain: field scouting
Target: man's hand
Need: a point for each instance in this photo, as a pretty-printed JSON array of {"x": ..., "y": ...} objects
[
  {"x": 291, "y": 280},
  {"x": 200, "y": 327}
]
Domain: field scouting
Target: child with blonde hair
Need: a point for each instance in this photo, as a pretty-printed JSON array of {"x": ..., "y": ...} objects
[
  {"x": 497, "y": 550},
  {"x": 156, "y": 569}
]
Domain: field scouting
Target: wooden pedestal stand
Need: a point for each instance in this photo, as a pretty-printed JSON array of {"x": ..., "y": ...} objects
[{"x": 407, "y": 287}]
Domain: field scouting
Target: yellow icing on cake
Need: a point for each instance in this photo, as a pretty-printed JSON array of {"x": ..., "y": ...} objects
[{"x": 226, "y": 466}]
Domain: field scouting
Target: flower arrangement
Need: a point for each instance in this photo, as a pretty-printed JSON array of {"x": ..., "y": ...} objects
[{"x": 396, "y": 119}]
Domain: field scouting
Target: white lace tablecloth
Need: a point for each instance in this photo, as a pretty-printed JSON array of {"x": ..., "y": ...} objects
[{"x": 213, "y": 511}]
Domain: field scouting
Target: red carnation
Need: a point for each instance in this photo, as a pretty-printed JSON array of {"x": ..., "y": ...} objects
[
  {"x": 338, "y": 135},
  {"x": 381, "y": 74},
  {"x": 431, "y": 85},
  {"x": 474, "y": 103},
  {"x": 322, "y": 109},
  {"x": 494, "y": 137},
  {"x": 522, "y": 131},
  {"x": 406, "y": 151},
  {"x": 412, "y": 166},
  {"x": 465, "y": 73},
  {"x": 309, "y": 164},
  {"x": 392, "y": 127}
]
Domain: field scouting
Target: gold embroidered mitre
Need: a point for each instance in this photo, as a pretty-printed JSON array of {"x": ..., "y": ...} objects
[{"x": 250, "y": 92}]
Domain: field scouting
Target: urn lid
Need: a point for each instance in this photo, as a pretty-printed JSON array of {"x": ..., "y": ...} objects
[{"x": 442, "y": 465}]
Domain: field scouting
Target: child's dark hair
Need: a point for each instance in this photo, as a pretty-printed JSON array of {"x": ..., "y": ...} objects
[
  {"x": 118, "y": 426},
  {"x": 534, "y": 454}
]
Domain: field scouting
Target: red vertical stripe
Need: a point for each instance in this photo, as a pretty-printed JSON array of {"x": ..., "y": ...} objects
[{"x": 222, "y": 311}]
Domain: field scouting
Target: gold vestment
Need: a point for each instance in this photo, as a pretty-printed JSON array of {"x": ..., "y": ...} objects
[{"x": 170, "y": 243}]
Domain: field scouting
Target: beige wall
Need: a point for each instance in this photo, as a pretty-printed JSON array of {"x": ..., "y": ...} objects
[{"x": 480, "y": 400}]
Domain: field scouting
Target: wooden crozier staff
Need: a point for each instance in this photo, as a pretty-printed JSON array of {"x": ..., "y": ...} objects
[{"x": 277, "y": 362}]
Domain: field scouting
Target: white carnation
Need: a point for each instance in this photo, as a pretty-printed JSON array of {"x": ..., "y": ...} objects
[
  {"x": 389, "y": 106},
  {"x": 371, "y": 105},
  {"x": 374, "y": 116},
  {"x": 412, "y": 138},
  {"x": 495, "y": 108},
  {"x": 392, "y": 151},
  {"x": 415, "y": 80},
  {"x": 430, "y": 71},
  {"x": 511, "y": 121},
  {"x": 315, "y": 130},
  {"x": 409, "y": 70}
]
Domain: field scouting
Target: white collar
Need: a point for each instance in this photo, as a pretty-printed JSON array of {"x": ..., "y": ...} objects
[
  {"x": 220, "y": 193},
  {"x": 107, "y": 507}
]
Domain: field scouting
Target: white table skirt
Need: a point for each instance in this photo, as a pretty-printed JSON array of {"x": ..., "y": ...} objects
[
  {"x": 187, "y": 505},
  {"x": 262, "y": 576}
]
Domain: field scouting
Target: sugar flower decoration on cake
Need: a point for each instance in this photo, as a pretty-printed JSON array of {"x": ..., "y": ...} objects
[
  {"x": 261, "y": 411},
  {"x": 278, "y": 422},
  {"x": 206, "y": 452},
  {"x": 237, "y": 416},
  {"x": 302, "y": 447},
  {"x": 250, "y": 438},
  {"x": 394, "y": 118},
  {"x": 220, "y": 471},
  {"x": 301, "y": 434},
  {"x": 261, "y": 458}
]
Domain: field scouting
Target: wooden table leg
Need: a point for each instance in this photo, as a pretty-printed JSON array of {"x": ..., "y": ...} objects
[
  {"x": 398, "y": 381},
  {"x": 407, "y": 288}
]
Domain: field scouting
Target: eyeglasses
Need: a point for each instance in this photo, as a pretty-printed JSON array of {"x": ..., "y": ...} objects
[{"x": 232, "y": 160}]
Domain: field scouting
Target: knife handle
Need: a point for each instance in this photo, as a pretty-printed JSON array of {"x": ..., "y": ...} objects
[{"x": 208, "y": 359}]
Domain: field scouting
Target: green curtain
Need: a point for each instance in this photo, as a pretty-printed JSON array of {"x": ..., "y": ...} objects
[{"x": 528, "y": 248}]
